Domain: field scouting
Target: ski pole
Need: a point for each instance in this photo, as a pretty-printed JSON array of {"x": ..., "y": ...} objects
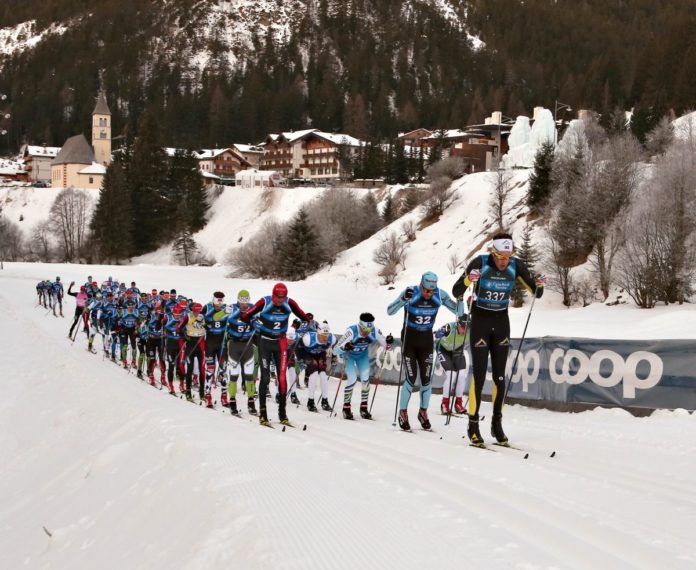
[
  {"x": 519, "y": 349},
  {"x": 340, "y": 380},
  {"x": 378, "y": 380},
  {"x": 401, "y": 367}
]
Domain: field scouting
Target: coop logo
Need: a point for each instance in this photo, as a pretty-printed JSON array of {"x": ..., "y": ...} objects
[{"x": 574, "y": 367}]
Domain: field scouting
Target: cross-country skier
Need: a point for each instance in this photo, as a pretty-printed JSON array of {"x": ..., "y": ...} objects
[
  {"x": 155, "y": 346},
  {"x": 80, "y": 302},
  {"x": 240, "y": 352},
  {"x": 215, "y": 324},
  {"x": 422, "y": 302},
  {"x": 193, "y": 328},
  {"x": 57, "y": 291},
  {"x": 451, "y": 348},
  {"x": 354, "y": 349},
  {"x": 495, "y": 275},
  {"x": 272, "y": 314},
  {"x": 317, "y": 346},
  {"x": 175, "y": 346}
]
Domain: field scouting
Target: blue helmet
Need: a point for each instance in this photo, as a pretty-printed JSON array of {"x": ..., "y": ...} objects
[{"x": 429, "y": 280}]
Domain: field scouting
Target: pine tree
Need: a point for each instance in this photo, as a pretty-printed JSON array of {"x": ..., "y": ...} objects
[
  {"x": 184, "y": 246},
  {"x": 388, "y": 210},
  {"x": 528, "y": 254},
  {"x": 147, "y": 180},
  {"x": 540, "y": 179},
  {"x": 111, "y": 224},
  {"x": 301, "y": 253}
]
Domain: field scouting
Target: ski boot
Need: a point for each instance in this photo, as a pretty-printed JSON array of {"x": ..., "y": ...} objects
[
  {"x": 347, "y": 412},
  {"x": 423, "y": 418},
  {"x": 171, "y": 388},
  {"x": 403, "y": 420},
  {"x": 310, "y": 405},
  {"x": 195, "y": 380},
  {"x": 497, "y": 429},
  {"x": 251, "y": 406},
  {"x": 263, "y": 418},
  {"x": 152, "y": 378},
  {"x": 223, "y": 399},
  {"x": 208, "y": 400},
  {"x": 325, "y": 405},
  {"x": 182, "y": 386},
  {"x": 134, "y": 364},
  {"x": 233, "y": 407},
  {"x": 294, "y": 399},
  {"x": 364, "y": 412},
  {"x": 189, "y": 396},
  {"x": 472, "y": 431},
  {"x": 124, "y": 363},
  {"x": 139, "y": 374},
  {"x": 459, "y": 406},
  {"x": 445, "y": 407}
]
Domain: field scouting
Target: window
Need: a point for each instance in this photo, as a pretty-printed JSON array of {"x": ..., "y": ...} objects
[{"x": 91, "y": 180}]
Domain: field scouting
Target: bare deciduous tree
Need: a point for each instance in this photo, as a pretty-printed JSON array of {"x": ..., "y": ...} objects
[
  {"x": 440, "y": 196},
  {"x": 11, "y": 241},
  {"x": 408, "y": 227},
  {"x": 391, "y": 254},
  {"x": 40, "y": 242},
  {"x": 68, "y": 219},
  {"x": 500, "y": 196},
  {"x": 258, "y": 257},
  {"x": 561, "y": 278}
]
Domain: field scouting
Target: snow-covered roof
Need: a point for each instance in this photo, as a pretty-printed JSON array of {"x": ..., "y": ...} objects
[
  {"x": 249, "y": 148},
  {"x": 209, "y": 153},
  {"x": 449, "y": 134},
  {"x": 295, "y": 135},
  {"x": 39, "y": 150},
  {"x": 209, "y": 175},
  {"x": 338, "y": 138},
  {"x": 94, "y": 168}
]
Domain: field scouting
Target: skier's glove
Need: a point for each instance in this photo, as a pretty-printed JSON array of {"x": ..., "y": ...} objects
[
  {"x": 474, "y": 276},
  {"x": 408, "y": 294},
  {"x": 228, "y": 309},
  {"x": 540, "y": 280},
  {"x": 199, "y": 318},
  {"x": 348, "y": 347},
  {"x": 390, "y": 340}
]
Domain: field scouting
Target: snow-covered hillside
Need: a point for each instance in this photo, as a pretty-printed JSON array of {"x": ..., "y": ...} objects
[{"x": 100, "y": 470}]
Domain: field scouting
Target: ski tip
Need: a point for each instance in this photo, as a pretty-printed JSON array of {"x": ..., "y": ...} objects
[
  {"x": 440, "y": 437},
  {"x": 553, "y": 454},
  {"x": 526, "y": 455},
  {"x": 304, "y": 427},
  {"x": 283, "y": 428}
]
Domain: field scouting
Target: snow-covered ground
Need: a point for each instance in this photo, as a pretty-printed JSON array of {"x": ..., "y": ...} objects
[{"x": 100, "y": 470}]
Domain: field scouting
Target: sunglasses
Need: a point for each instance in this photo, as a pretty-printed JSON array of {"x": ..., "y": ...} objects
[{"x": 502, "y": 256}]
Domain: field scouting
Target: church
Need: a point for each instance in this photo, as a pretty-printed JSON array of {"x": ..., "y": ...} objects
[{"x": 80, "y": 164}]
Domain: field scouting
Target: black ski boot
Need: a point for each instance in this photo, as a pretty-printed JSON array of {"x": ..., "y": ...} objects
[
  {"x": 263, "y": 418},
  {"x": 497, "y": 429},
  {"x": 403, "y": 420},
  {"x": 310, "y": 405},
  {"x": 423, "y": 418},
  {"x": 189, "y": 397},
  {"x": 325, "y": 405},
  {"x": 472, "y": 431},
  {"x": 251, "y": 406},
  {"x": 294, "y": 399},
  {"x": 364, "y": 412},
  {"x": 282, "y": 414},
  {"x": 347, "y": 413},
  {"x": 233, "y": 406}
]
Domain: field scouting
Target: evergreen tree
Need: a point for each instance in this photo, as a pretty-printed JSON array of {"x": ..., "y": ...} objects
[
  {"x": 540, "y": 179},
  {"x": 111, "y": 224},
  {"x": 184, "y": 246},
  {"x": 388, "y": 210},
  {"x": 147, "y": 180},
  {"x": 527, "y": 253},
  {"x": 301, "y": 252}
]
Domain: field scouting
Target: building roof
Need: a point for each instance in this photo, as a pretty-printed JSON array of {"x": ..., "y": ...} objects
[
  {"x": 94, "y": 168},
  {"x": 38, "y": 150},
  {"x": 249, "y": 148},
  {"x": 76, "y": 150},
  {"x": 209, "y": 175},
  {"x": 101, "y": 107},
  {"x": 338, "y": 138}
]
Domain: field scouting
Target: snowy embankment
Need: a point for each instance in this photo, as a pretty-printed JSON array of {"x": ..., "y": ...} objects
[{"x": 100, "y": 470}]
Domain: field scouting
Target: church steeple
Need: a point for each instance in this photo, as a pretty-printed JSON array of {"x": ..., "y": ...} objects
[{"x": 101, "y": 130}]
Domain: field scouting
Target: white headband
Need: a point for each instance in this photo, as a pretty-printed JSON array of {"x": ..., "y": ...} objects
[{"x": 503, "y": 245}]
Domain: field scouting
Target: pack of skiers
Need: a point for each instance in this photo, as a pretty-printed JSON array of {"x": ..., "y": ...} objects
[{"x": 240, "y": 343}]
